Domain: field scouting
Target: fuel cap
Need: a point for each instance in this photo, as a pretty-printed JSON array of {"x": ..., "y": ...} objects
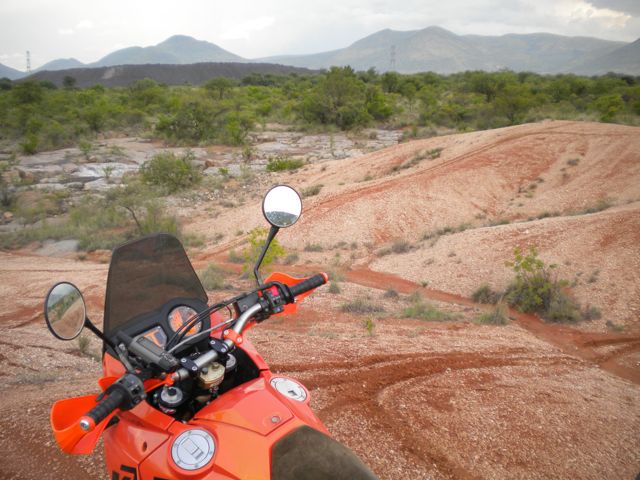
[
  {"x": 289, "y": 388},
  {"x": 193, "y": 449}
]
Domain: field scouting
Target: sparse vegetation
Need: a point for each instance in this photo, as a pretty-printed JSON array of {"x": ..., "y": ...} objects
[
  {"x": 421, "y": 310},
  {"x": 313, "y": 247},
  {"x": 495, "y": 316},
  {"x": 311, "y": 191},
  {"x": 485, "y": 294},
  {"x": 397, "y": 247},
  {"x": 369, "y": 326},
  {"x": 361, "y": 305},
  {"x": 212, "y": 277},
  {"x": 334, "y": 288},
  {"x": 291, "y": 259},
  {"x": 391, "y": 294},
  {"x": 280, "y": 164}
]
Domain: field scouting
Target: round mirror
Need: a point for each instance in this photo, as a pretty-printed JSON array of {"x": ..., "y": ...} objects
[
  {"x": 65, "y": 311},
  {"x": 282, "y": 206}
]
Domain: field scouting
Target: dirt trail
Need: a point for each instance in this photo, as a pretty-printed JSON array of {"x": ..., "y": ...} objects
[{"x": 570, "y": 340}]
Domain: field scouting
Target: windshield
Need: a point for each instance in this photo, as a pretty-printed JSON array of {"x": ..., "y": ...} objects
[{"x": 144, "y": 275}]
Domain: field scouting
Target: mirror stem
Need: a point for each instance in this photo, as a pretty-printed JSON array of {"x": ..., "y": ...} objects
[
  {"x": 272, "y": 233},
  {"x": 98, "y": 333}
]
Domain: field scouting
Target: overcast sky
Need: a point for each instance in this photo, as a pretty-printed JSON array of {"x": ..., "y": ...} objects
[{"x": 89, "y": 29}]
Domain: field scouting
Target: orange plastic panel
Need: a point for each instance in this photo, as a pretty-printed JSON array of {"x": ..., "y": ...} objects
[
  {"x": 65, "y": 417},
  {"x": 289, "y": 281}
]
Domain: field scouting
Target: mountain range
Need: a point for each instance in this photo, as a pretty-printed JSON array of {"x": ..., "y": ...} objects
[{"x": 429, "y": 49}]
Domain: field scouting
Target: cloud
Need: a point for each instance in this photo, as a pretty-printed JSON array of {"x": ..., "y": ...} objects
[
  {"x": 66, "y": 31},
  {"x": 632, "y": 7},
  {"x": 84, "y": 25},
  {"x": 245, "y": 29}
]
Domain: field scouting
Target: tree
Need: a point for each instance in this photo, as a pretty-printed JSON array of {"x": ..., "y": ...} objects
[
  {"x": 221, "y": 85},
  {"x": 513, "y": 102},
  {"x": 27, "y": 92},
  {"x": 69, "y": 82},
  {"x": 171, "y": 172},
  {"x": 338, "y": 99}
]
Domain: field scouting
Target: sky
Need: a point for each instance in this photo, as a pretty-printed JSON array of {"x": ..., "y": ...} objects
[{"x": 89, "y": 29}]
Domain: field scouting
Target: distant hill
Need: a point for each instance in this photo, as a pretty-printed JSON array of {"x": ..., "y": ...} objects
[
  {"x": 193, "y": 74},
  {"x": 178, "y": 50},
  {"x": 10, "y": 73},
  {"x": 61, "y": 64},
  {"x": 430, "y": 49},
  {"x": 625, "y": 59},
  {"x": 439, "y": 50}
]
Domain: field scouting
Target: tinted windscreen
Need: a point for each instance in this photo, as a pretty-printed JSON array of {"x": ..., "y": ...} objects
[{"x": 144, "y": 275}]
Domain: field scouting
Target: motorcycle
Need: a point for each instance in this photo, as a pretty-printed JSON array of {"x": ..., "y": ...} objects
[{"x": 185, "y": 395}]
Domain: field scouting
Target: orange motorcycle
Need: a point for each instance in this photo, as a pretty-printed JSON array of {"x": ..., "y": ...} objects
[{"x": 184, "y": 394}]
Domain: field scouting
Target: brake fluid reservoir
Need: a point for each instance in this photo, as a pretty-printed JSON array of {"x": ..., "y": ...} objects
[{"x": 212, "y": 376}]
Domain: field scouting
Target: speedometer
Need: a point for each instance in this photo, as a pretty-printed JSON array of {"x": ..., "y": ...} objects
[{"x": 180, "y": 316}]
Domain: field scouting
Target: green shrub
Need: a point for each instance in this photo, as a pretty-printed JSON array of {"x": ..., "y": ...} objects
[
  {"x": 279, "y": 164},
  {"x": 369, "y": 326},
  {"x": 311, "y": 191},
  {"x": 484, "y": 294},
  {"x": 334, "y": 288},
  {"x": 495, "y": 316},
  {"x": 170, "y": 172},
  {"x": 212, "y": 277},
  {"x": 256, "y": 239},
  {"x": 421, "y": 310},
  {"x": 535, "y": 289}
]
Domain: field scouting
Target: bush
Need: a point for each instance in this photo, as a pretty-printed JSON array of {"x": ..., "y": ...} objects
[
  {"x": 313, "y": 247},
  {"x": 334, "y": 288},
  {"x": 170, "y": 172},
  {"x": 279, "y": 164},
  {"x": 212, "y": 277},
  {"x": 536, "y": 290},
  {"x": 495, "y": 316},
  {"x": 421, "y": 310},
  {"x": 391, "y": 294},
  {"x": 256, "y": 239},
  {"x": 399, "y": 246},
  {"x": 591, "y": 313},
  {"x": 361, "y": 305},
  {"x": 291, "y": 259},
  {"x": 484, "y": 294},
  {"x": 235, "y": 257},
  {"x": 312, "y": 190}
]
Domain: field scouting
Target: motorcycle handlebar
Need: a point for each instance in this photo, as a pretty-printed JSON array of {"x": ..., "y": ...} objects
[
  {"x": 309, "y": 284},
  {"x": 102, "y": 410}
]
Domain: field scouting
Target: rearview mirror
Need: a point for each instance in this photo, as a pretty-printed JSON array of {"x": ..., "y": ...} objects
[
  {"x": 282, "y": 206},
  {"x": 65, "y": 311}
]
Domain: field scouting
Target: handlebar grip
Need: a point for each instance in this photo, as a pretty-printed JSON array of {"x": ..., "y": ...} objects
[
  {"x": 108, "y": 405},
  {"x": 309, "y": 284}
]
